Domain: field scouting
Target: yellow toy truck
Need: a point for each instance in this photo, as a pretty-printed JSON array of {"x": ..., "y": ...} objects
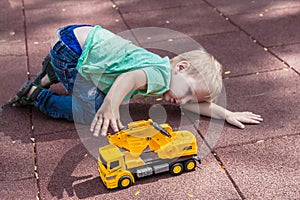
[{"x": 145, "y": 148}]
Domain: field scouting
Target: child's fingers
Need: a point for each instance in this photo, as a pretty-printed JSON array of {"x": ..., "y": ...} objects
[
  {"x": 114, "y": 125},
  {"x": 251, "y": 120},
  {"x": 104, "y": 128},
  {"x": 254, "y": 116},
  {"x": 97, "y": 126},
  {"x": 237, "y": 123},
  {"x": 92, "y": 125},
  {"x": 120, "y": 125},
  {"x": 258, "y": 119},
  {"x": 240, "y": 125}
]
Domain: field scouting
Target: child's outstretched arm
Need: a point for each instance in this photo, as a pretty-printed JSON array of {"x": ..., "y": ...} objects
[
  {"x": 218, "y": 112},
  {"x": 108, "y": 114}
]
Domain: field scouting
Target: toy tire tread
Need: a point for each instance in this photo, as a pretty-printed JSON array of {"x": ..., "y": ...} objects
[
  {"x": 189, "y": 165},
  {"x": 176, "y": 169},
  {"x": 125, "y": 182}
]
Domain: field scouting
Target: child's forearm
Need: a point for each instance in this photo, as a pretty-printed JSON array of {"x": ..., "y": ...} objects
[
  {"x": 208, "y": 109},
  {"x": 218, "y": 112},
  {"x": 108, "y": 113},
  {"x": 124, "y": 84}
]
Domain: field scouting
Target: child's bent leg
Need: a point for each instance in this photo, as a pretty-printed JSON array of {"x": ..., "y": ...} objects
[
  {"x": 80, "y": 107},
  {"x": 47, "y": 75},
  {"x": 54, "y": 105}
]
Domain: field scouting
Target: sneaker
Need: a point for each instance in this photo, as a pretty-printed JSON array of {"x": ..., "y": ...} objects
[
  {"x": 46, "y": 70},
  {"x": 21, "y": 99}
]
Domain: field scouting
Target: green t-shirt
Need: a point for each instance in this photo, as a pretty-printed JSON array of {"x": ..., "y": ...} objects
[{"x": 106, "y": 55}]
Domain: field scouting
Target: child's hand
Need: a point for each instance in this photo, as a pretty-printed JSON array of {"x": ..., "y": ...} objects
[
  {"x": 106, "y": 116},
  {"x": 238, "y": 118}
]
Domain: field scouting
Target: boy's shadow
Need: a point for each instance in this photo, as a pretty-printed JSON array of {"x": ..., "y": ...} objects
[
  {"x": 94, "y": 187},
  {"x": 62, "y": 178}
]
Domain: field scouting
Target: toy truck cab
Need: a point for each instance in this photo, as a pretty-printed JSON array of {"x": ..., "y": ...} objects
[
  {"x": 143, "y": 149},
  {"x": 112, "y": 168}
]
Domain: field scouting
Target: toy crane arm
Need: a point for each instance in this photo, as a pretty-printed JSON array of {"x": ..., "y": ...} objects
[{"x": 160, "y": 129}]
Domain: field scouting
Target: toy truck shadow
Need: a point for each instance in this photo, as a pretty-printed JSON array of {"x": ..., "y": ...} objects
[{"x": 145, "y": 148}]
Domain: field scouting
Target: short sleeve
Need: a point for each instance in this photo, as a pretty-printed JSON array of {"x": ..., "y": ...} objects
[{"x": 158, "y": 79}]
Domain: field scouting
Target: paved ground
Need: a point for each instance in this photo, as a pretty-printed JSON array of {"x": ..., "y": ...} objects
[{"x": 258, "y": 43}]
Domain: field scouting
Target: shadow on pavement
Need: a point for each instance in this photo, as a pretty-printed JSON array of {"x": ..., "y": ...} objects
[{"x": 61, "y": 178}]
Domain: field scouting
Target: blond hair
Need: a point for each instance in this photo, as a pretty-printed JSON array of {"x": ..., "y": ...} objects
[{"x": 203, "y": 66}]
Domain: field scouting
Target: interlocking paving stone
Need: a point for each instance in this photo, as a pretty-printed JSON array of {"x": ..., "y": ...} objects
[
  {"x": 233, "y": 7},
  {"x": 36, "y": 4},
  {"x": 267, "y": 169},
  {"x": 130, "y": 6},
  {"x": 20, "y": 189},
  {"x": 208, "y": 22},
  {"x": 57, "y": 158},
  {"x": 13, "y": 75},
  {"x": 63, "y": 13},
  {"x": 12, "y": 28},
  {"x": 17, "y": 179},
  {"x": 238, "y": 54},
  {"x": 12, "y": 41},
  {"x": 16, "y": 149},
  {"x": 10, "y": 12},
  {"x": 273, "y": 28},
  {"x": 17, "y": 158},
  {"x": 44, "y": 124},
  {"x": 12, "y": 48},
  {"x": 289, "y": 53}
]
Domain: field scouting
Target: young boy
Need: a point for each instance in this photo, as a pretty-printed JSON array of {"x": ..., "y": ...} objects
[{"x": 109, "y": 69}]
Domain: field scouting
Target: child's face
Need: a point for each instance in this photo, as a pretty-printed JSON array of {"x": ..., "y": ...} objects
[{"x": 185, "y": 89}]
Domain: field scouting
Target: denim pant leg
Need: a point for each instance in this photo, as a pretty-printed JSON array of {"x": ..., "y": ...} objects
[
  {"x": 80, "y": 107},
  {"x": 54, "y": 105},
  {"x": 87, "y": 99},
  {"x": 64, "y": 62}
]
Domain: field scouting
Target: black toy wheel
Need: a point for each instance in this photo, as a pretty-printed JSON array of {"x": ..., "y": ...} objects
[
  {"x": 176, "y": 169},
  {"x": 189, "y": 165},
  {"x": 125, "y": 182}
]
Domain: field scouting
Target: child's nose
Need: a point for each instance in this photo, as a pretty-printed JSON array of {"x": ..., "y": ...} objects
[
  {"x": 187, "y": 100},
  {"x": 184, "y": 100}
]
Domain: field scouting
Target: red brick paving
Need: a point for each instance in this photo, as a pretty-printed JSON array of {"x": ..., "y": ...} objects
[
  {"x": 240, "y": 55},
  {"x": 289, "y": 53},
  {"x": 168, "y": 18},
  {"x": 268, "y": 169},
  {"x": 44, "y": 158}
]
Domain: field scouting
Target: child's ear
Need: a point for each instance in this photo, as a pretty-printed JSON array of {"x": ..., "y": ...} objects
[{"x": 182, "y": 66}]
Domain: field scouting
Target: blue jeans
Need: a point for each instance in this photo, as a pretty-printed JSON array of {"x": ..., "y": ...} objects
[{"x": 85, "y": 98}]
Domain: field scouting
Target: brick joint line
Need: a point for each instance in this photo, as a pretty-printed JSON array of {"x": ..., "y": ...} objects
[
  {"x": 218, "y": 159},
  {"x": 259, "y": 140},
  {"x": 251, "y": 37},
  {"x": 32, "y": 135},
  {"x": 221, "y": 164},
  {"x": 123, "y": 19}
]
